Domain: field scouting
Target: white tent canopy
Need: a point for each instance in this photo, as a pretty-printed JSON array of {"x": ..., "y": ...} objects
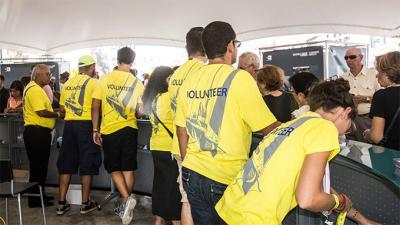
[{"x": 54, "y": 26}]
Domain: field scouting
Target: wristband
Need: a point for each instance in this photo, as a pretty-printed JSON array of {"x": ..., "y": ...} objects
[
  {"x": 337, "y": 202},
  {"x": 95, "y": 130}
]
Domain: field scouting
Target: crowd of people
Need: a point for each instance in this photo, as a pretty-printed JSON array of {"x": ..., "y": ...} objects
[{"x": 202, "y": 115}]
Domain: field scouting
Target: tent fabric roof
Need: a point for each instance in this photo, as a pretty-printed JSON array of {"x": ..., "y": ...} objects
[{"x": 55, "y": 26}]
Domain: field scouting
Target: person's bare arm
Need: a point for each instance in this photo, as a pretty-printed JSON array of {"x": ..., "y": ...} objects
[
  {"x": 309, "y": 193},
  {"x": 47, "y": 114},
  {"x": 357, "y": 216},
  {"x": 362, "y": 99},
  {"x": 62, "y": 111},
  {"x": 375, "y": 134},
  {"x": 7, "y": 109},
  {"x": 96, "y": 104},
  {"x": 271, "y": 127},
  {"x": 139, "y": 113},
  {"x": 183, "y": 138},
  {"x": 19, "y": 108},
  {"x": 360, "y": 218}
]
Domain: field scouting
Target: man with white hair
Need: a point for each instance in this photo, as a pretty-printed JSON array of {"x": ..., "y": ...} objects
[
  {"x": 363, "y": 84},
  {"x": 250, "y": 62},
  {"x": 39, "y": 120}
]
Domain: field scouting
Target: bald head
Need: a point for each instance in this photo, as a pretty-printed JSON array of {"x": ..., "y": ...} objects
[
  {"x": 41, "y": 74},
  {"x": 353, "y": 51},
  {"x": 250, "y": 62},
  {"x": 353, "y": 59}
]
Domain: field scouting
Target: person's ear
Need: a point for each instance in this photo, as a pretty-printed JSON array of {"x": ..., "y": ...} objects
[
  {"x": 347, "y": 111},
  {"x": 231, "y": 47}
]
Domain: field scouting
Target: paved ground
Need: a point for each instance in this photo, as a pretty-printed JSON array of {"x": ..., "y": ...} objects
[{"x": 105, "y": 216}]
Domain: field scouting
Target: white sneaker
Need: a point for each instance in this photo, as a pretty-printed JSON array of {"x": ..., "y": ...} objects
[{"x": 127, "y": 216}]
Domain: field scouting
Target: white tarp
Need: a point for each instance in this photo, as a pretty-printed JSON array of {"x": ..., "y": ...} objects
[{"x": 53, "y": 26}]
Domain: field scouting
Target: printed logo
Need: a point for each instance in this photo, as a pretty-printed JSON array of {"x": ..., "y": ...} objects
[
  {"x": 253, "y": 169},
  {"x": 115, "y": 101},
  {"x": 75, "y": 102},
  {"x": 206, "y": 132}
]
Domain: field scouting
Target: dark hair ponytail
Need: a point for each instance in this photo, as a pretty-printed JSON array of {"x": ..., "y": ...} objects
[
  {"x": 157, "y": 84},
  {"x": 331, "y": 94}
]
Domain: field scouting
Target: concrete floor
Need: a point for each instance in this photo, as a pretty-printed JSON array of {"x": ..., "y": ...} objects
[{"x": 105, "y": 216}]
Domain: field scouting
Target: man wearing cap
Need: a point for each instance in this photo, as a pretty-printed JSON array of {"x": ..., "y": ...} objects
[
  {"x": 78, "y": 151},
  {"x": 39, "y": 120},
  {"x": 363, "y": 85}
]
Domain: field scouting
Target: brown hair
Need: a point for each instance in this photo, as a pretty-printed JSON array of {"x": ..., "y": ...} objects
[
  {"x": 193, "y": 41},
  {"x": 389, "y": 64},
  {"x": 272, "y": 76},
  {"x": 331, "y": 94}
]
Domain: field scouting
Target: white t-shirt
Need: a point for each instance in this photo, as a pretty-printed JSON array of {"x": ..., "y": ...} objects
[{"x": 298, "y": 112}]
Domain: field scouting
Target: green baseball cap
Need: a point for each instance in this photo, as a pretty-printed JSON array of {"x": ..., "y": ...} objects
[{"x": 86, "y": 60}]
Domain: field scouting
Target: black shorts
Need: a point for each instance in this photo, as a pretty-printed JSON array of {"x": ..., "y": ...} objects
[
  {"x": 120, "y": 150},
  {"x": 78, "y": 150},
  {"x": 166, "y": 195}
]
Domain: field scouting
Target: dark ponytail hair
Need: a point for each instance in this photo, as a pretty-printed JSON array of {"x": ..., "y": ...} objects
[
  {"x": 157, "y": 84},
  {"x": 331, "y": 94},
  {"x": 302, "y": 82}
]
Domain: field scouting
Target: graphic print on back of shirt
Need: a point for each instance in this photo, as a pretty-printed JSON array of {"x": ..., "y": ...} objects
[
  {"x": 203, "y": 128},
  {"x": 116, "y": 99},
  {"x": 74, "y": 104},
  {"x": 252, "y": 170},
  {"x": 179, "y": 82}
]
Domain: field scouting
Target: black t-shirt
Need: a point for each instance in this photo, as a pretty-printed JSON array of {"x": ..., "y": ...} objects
[
  {"x": 4, "y": 94},
  {"x": 281, "y": 106},
  {"x": 385, "y": 103}
]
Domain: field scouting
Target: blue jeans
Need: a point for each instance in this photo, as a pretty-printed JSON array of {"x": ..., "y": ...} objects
[{"x": 203, "y": 194}]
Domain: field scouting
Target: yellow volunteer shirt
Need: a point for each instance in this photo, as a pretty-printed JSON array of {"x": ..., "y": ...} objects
[
  {"x": 160, "y": 139},
  {"x": 119, "y": 92},
  {"x": 264, "y": 190},
  {"x": 35, "y": 99},
  {"x": 220, "y": 109},
  {"x": 76, "y": 97},
  {"x": 184, "y": 71}
]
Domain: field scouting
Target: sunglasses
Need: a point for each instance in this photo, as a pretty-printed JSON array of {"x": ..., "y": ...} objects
[{"x": 347, "y": 57}]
